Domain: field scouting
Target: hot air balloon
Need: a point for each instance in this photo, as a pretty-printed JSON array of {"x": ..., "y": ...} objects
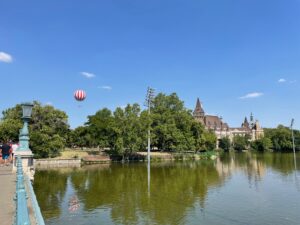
[{"x": 79, "y": 95}]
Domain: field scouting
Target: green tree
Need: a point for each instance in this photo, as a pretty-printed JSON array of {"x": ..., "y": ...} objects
[
  {"x": 134, "y": 139},
  {"x": 124, "y": 131},
  {"x": 81, "y": 137},
  {"x": 240, "y": 142},
  {"x": 129, "y": 134},
  {"x": 225, "y": 143},
  {"x": 48, "y": 128},
  {"x": 100, "y": 129},
  {"x": 11, "y": 123},
  {"x": 262, "y": 144},
  {"x": 9, "y": 130},
  {"x": 173, "y": 126},
  {"x": 281, "y": 138},
  {"x": 297, "y": 139},
  {"x": 209, "y": 141}
]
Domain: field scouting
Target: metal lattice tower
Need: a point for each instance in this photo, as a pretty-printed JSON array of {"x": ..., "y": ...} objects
[{"x": 149, "y": 104}]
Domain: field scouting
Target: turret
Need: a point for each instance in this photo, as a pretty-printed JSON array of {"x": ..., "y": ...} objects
[
  {"x": 246, "y": 123},
  {"x": 251, "y": 120},
  {"x": 199, "y": 113}
]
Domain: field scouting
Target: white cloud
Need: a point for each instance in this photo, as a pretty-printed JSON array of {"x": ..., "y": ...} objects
[
  {"x": 4, "y": 57},
  {"x": 281, "y": 80},
  {"x": 106, "y": 87},
  {"x": 252, "y": 95},
  {"x": 88, "y": 75}
]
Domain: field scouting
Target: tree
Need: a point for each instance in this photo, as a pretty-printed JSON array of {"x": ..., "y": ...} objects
[
  {"x": 281, "y": 138},
  {"x": 240, "y": 142},
  {"x": 80, "y": 137},
  {"x": 225, "y": 143},
  {"x": 174, "y": 128},
  {"x": 9, "y": 130},
  {"x": 48, "y": 128},
  {"x": 124, "y": 131},
  {"x": 134, "y": 140},
  {"x": 262, "y": 144},
  {"x": 11, "y": 123},
  {"x": 297, "y": 139},
  {"x": 129, "y": 134},
  {"x": 209, "y": 141},
  {"x": 100, "y": 129}
]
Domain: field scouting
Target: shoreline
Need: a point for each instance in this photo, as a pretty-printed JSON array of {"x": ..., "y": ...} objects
[{"x": 141, "y": 157}]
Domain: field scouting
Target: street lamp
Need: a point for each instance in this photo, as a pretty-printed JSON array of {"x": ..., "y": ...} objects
[
  {"x": 27, "y": 110},
  {"x": 24, "y": 134}
]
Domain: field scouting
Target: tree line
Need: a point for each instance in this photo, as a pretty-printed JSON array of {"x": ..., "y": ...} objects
[
  {"x": 124, "y": 131},
  {"x": 121, "y": 132},
  {"x": 275, "y": 139}
]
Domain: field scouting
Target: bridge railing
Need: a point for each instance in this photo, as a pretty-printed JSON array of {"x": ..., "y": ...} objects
[
  {"x": 22, "y": 213},
  {"x": 36, "y": 208}
]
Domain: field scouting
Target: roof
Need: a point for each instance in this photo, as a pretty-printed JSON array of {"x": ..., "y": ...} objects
[{"x": 213, "y": 122}]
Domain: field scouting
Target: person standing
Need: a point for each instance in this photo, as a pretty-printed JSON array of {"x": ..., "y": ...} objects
[{"x": 5, "y": 153}]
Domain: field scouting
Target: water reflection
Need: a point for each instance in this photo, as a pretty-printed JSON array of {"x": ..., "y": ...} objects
[
  {"x": 73, "y": 204},
  {"x": 149, "y": 177},
  {"x": 51, "y": 189},
  {"x": 123, "y": 194}
]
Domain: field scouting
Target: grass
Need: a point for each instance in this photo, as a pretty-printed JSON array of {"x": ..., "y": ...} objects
[
  {"x": 77, "y": 153},
  {"x": 70, "y": 153}
]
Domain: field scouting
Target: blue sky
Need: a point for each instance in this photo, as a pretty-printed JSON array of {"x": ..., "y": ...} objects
[{"x": 229, "y": 53}]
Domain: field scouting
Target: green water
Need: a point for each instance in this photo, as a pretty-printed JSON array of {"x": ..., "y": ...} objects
[{"x": 234, "y": 189}]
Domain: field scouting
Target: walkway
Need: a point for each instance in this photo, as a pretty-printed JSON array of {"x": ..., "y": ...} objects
[{"x": 7, "y": 194}]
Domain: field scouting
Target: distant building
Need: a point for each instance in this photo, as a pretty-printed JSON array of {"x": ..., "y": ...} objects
[{"x": 221, "y": 129}]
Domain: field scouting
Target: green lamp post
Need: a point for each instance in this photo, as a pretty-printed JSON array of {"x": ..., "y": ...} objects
[{"x": 24, "y": 134}]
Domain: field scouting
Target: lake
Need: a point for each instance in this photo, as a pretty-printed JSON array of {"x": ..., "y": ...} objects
[{"x": 241, "y": 188}]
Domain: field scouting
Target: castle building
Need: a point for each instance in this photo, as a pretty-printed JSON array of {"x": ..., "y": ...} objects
[{"x": 221, "y": 129}]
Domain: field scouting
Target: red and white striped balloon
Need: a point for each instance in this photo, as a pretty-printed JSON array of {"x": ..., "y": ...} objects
[{"x": 79, "y": 95}]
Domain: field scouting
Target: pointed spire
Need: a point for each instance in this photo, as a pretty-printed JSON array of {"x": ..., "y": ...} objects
[
  {"x": 245, "y": 124},
  {"x": 198, "y": 104},
  {"x": 198, "y": 112}
]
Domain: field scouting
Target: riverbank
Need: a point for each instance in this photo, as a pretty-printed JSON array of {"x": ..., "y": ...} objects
[{"x": 77, "y": 158}]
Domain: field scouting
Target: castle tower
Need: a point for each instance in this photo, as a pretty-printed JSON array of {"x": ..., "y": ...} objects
[
  {"x": 251, "y": 121},
  {"x": 246, "y": 124},
  {"x": 259, "y": 132},
  {"x": 199, "y": 113}
]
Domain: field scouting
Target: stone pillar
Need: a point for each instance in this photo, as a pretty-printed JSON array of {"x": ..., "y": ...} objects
[{"x": 27, "y": 163}]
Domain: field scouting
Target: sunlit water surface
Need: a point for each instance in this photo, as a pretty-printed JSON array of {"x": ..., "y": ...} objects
[{"x": 240, "y": 189}]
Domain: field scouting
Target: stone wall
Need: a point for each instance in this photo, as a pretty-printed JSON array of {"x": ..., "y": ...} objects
[{"x": 57, "y": 163}]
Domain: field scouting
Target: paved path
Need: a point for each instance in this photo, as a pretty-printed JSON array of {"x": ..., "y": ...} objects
[{"x": 7, "y": 193}]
